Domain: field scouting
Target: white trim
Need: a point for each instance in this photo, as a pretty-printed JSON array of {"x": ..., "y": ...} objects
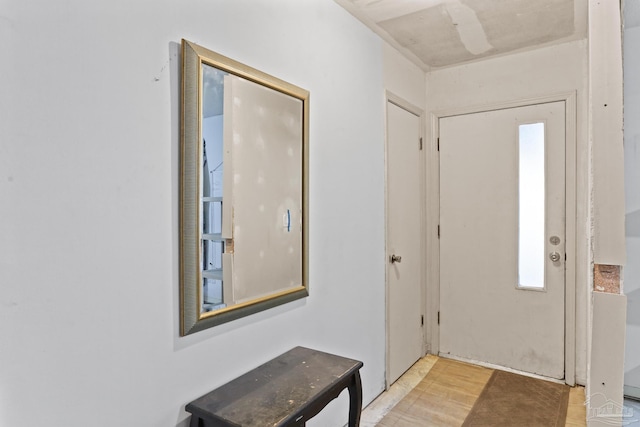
[
  {"x": 571, "y": 225},
  {"x": 405, "y": 105},
  {"x": 433, "y": 242},
  {"x": 632, "y": 392},
  {"x": 472, "y": 109},
  {"x": 433, "y": 218}
]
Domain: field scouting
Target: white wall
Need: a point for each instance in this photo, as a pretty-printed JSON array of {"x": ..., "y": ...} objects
[
  {"x": 605, "y": 92},
  {"x": 402, "y": 77},
  {"x": 542, "y": 72},
  {"x": 632, "y": 200},
  {"x": 89, "y": 147}
]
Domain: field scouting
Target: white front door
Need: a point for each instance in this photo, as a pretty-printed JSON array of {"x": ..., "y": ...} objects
[
  {"x": 502, "y": 237},
  {"x": 404, "y": 290}
]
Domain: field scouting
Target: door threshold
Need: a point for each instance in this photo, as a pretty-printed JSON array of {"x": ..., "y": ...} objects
[{"x": 501, "y": 368}]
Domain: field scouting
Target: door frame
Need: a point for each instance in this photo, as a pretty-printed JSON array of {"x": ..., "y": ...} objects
[
  {"x": 400, "y": 102},
  {"x": 571, "y": 222}
]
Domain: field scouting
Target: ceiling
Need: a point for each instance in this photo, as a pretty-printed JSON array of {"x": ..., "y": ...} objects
[{"x": 442, "y": 33}]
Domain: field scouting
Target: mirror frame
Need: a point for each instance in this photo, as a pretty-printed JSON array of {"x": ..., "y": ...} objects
[{"x": 192, "y": 319}]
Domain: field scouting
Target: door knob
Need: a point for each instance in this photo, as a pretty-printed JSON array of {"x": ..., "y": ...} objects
[
  {"x": 395, "y": 258},
  {"x": 554, "y": 256}
]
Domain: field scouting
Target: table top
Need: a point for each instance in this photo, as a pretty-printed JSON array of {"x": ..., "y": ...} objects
[{"x": 276, "y": 390}]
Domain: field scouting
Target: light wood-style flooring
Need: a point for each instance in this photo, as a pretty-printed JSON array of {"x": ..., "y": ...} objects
[{"x": 445, "y": 396}]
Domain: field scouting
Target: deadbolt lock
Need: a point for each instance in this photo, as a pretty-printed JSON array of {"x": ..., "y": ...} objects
[{"x": 554, "y": 256}]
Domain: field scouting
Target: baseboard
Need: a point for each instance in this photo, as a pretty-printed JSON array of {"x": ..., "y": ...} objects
[{"x": 632, "y": 392}]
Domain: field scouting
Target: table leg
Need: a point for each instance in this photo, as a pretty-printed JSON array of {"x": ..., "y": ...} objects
[
  {"x": 355, "y": 399},
  {"x": 196, "y": 422}
]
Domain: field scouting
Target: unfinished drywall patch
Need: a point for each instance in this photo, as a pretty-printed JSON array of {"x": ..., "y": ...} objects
[
  {"x": 454, "y": 32},
  {"x": 470, "y": 30},
  {"x": 606, "y": 278}
]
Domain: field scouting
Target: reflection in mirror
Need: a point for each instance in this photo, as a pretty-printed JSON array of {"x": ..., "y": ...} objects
[
  {"x": 212, "y": 188},
  {"x": 243, "y": 190}
]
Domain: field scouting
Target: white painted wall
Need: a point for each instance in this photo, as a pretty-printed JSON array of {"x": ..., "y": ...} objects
[
  {"x": 89, "y": 147},
  {"x": 548, "y": 71},
  {"x": 402, "y": 77},
  {"x": 605, "y": 131},
  {"x": 632, "y": 201}
]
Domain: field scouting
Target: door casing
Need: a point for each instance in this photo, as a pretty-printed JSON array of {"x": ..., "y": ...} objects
[
  {"x": 432, "y": 333},
  {"x": 390, "y": 97}
]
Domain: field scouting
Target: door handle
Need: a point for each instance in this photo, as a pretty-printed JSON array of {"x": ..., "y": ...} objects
[
  {"x": 554, "y": 256},
  {"x": 395, "y": 258}
]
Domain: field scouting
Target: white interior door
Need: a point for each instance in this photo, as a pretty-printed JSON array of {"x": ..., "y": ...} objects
[
  {"x": 502, "y": 242},
  {"x": 404, "y": 290}
]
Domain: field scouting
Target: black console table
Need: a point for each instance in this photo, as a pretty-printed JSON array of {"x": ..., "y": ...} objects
[{"x": 285, "y": 391}]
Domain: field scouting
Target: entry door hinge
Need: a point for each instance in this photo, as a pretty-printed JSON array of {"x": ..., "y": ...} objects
[
  {"x": 420, "y": 143},
  {"x": 422, "y": 320},
  {"x": 438, "y": 231},
  {"x": 438, "y": 318},
  {"x": 438, "y": 144}
]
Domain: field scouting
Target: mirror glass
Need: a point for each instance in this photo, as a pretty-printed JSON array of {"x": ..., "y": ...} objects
[{"x": 243, "y": 190}]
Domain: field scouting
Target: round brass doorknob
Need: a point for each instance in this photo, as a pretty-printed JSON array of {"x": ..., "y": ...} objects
[{"x": 395, "y": 258}]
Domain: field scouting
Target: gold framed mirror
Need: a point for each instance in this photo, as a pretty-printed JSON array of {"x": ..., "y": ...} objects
[{"x": 243, "y": 190}]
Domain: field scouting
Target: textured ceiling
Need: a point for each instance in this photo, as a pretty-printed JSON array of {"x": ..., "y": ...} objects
[{"x": 441, "y": 33}]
